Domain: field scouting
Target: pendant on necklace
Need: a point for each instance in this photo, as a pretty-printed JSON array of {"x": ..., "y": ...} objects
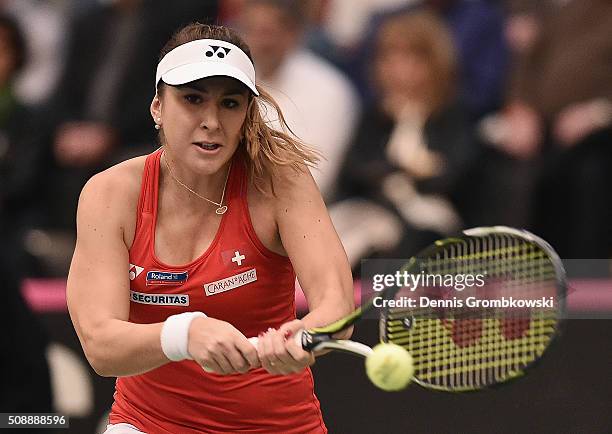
[{"x": 221, "y": 209}]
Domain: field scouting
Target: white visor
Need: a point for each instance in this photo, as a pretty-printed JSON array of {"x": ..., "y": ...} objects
[{"x": 206, "y": 58}]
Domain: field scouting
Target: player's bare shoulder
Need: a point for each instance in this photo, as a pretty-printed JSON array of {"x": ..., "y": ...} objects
[
  {"x": 112, "y": 196},
  {"x": 291, "y": 184}
]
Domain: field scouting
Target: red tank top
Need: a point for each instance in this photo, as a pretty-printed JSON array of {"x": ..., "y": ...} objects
[{"x": 237, "y": 280}]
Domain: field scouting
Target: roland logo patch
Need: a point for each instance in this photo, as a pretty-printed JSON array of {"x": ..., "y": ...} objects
[
  {"x": 166, "y": 278},
  {"x": 231, "y": 282}
]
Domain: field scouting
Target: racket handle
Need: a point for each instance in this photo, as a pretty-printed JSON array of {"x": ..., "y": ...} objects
[{"x": 296, "y": 337}]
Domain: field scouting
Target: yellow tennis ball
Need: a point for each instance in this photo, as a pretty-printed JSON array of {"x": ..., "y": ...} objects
[{"x": 389, "y": 367}]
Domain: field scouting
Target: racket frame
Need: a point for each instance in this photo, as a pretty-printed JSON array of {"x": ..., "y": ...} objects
[{"x": 321, "y": 338}]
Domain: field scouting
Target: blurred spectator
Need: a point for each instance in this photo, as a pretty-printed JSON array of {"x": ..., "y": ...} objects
[
  {"x": 43, "y": 23},
  {"x": 99, "y": 114},
  {"x": 24, "y": 373},
  {"x": 560, "y": 108},
  {"x": 412, "y": 146},
  {"x": 477, "y": 30},
  {"x": 21, "y": 154},
  {"x": 318, "y": 102}
]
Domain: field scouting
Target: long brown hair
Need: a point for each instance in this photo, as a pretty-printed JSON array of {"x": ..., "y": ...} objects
[{"x": 265, "y": 148}]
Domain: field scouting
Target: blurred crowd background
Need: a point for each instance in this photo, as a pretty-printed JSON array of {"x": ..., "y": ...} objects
[{"x": 432, "y": 115}]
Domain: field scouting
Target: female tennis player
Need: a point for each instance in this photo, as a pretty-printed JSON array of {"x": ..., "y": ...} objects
[{"x": 183, "y": 254}]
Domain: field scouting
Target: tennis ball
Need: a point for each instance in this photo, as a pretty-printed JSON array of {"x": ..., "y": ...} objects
[{"x": 389, "y": 367}]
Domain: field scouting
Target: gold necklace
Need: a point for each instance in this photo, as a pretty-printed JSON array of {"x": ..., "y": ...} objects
[{"x": 221, "y": 209}]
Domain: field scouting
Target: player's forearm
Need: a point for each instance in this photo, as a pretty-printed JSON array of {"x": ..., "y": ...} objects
[
  {"x": 327, "y": 311},
  {"x": 121, "y": 348}
]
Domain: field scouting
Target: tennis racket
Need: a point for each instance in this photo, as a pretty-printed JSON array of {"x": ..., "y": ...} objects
[{"x": 461, "y": 348}]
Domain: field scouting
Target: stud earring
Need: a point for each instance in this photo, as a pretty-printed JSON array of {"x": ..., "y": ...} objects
[
  {"x": 157, "y": 126},
  {"x": 157, "y": 123}
]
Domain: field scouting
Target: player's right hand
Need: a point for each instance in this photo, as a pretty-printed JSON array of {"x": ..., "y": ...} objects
[{"x": 219, "y": 347}]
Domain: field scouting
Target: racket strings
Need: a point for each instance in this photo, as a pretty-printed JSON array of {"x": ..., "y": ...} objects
[
  {"x": 463, "y": 349},
  {"x": 435, "y": 351}
]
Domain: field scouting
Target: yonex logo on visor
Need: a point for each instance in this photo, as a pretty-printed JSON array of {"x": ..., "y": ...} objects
[
  {"x": 206, "y": 58},
  {"x": 220, "y": 54}
]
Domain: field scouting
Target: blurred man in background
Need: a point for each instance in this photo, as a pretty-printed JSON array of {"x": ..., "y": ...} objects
[{"x": 318, "y": 102}]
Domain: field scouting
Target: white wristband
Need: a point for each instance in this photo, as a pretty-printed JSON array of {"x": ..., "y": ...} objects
[{"x": 175, "y": 335}]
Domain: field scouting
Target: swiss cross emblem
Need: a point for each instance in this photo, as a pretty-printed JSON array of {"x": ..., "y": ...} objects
[{"x": 238, "y": 258}]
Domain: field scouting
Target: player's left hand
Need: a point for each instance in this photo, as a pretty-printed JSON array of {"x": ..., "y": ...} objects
[{"x": 278, "y": 352}]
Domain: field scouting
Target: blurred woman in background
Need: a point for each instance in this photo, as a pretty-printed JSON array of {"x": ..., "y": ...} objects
[{"x": 412, "y": 146}]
